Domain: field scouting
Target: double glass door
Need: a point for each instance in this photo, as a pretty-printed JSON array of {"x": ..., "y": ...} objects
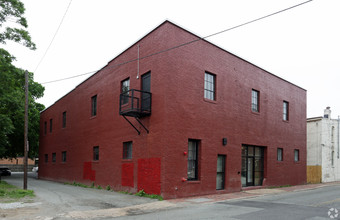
[{"x": 252, "y": 165}]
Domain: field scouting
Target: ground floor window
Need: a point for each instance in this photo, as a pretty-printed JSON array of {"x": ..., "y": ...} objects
[
  {"x": 193, "y": 159},
  {"x": 252, "y": 165},
  {"x": 296, "y": 155},
  {"x": 63, "y": 156},
  {"x": 127, "y": 150}
]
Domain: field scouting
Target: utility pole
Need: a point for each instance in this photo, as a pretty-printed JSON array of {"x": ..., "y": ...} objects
[{"x": 26, "y": 131}]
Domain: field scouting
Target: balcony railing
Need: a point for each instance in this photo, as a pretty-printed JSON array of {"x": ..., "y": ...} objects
[{"x": 135, "y": 103}]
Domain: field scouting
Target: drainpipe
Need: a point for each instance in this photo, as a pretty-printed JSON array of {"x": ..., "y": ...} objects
[
  {"x": 138, "y": 61},
  {"x": 338, "y": 134}
]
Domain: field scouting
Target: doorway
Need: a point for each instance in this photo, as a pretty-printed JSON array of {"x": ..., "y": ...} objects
[
  {"x": 252, "y": 165},
  {"x": 146, "y": 95},
  {"x": 220, "y": 176}
]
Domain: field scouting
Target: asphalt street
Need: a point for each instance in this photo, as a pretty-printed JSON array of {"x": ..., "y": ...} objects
[
  {"x": 59, "y": 201},
  {"x": 312, "y": 204},
  {"x": 55, "y": 199}
]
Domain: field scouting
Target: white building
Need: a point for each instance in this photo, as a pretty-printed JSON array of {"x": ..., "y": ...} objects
[{"x": 323, "y": 162}]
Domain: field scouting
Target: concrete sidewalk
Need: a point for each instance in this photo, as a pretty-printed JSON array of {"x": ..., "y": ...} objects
[{"x": 250, "y": 193}]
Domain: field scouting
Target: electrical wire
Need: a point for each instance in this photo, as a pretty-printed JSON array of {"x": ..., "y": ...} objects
[
  {"x": 55, "y": 34},
  {"x": 187, "y": 43}
]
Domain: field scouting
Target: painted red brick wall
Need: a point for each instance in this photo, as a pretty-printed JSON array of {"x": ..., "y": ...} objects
[{"x": 179, "y": 113}]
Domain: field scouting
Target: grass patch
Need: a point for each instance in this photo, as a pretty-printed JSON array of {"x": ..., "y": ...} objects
[
  {"x": 8, "y": 191},
  {"x": 124, "y": 192},
  {"x": 275, "y": 187},
  {"x": 141, "y": 193},
  {"x": 77, "y": 184}
]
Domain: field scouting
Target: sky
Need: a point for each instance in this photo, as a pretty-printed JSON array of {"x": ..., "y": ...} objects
[{"x": 301, "y": 45}]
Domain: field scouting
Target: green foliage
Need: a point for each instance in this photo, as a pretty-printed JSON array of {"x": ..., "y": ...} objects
[
  {"x": 108, "y": 187},
  {"x": 92, "y": 185},
  {"x": 77, "y": 184},
  {"x": 10, "y": 191},
  {"x": 283, "y": 186},
  {"x": 125, "y": 192},
  {"x": 99, "y": 187},
  {"x": 12, "y": 109},
  {"x": 13, "y": 11},
  {"x": 141, "y": 193}
]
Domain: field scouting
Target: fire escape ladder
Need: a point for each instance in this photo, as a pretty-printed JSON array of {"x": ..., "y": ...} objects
[
  {"x": 147, "y": 131},
  {"x": 137, "y": 104},
  {"x": 138, "y": 131},
  {"x": 131, "y": 124}
]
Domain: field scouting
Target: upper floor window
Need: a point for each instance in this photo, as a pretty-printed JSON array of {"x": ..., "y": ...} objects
[
  {"x": 64, "y": 119},
  {"x": 209, "y": 86},
  {"x": 285, "y": 111},
  {"x": 125, "y": 87},
  {"x": 255, "y": 97},
  {"x": 51, "y": 125},
  {"x": 94, "y": 105}
]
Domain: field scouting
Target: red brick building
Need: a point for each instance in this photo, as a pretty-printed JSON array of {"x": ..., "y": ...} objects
[{"x": 203, "y": 121}]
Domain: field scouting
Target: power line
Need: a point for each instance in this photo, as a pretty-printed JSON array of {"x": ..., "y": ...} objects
[
  {"x": 55, "y": 34},
  {"x": 187, "y": 43}
]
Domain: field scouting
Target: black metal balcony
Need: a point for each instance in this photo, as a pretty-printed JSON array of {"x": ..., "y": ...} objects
[{"x": 135, "y": 103}]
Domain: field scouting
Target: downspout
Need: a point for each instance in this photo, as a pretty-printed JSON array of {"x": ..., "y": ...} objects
[
  {"x": 338, "y": 134},
  {"x": 138, "y": 61}
]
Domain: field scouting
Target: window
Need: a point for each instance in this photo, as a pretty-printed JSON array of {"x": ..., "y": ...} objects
[
  {"x": 125, "y": 87},
  {"x": 96, "y": 153},
  {"x": 51, "y": 121},
  {"x": 45, "y": 127},
  {"x": 255, "y": 100},
  {"x": 332, "y": 158},
  {"x": 64, "y": 119},
  {"x": 127, "y": 150},
  {"x": 209, "y": 86},
  {"x": 279, "y": 154},
  {"x": 285, "y": 110},
  {"x": 193, "y": 159},
  {"x": 46, "y": 158},
  {"x": 94, "y": 105},
  {"x": 63, "y": 156},
  {"x": 54, "y": 157},
  {"x": 296, "y": 155}
]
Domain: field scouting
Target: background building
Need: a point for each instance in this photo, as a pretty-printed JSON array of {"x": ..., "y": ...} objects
[
  {"x": 323, "y": 163},
  {"x": 17, "y": 164},
  {"x": 178, "y": 116}
]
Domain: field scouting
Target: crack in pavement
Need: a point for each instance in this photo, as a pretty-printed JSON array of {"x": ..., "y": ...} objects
[{"x": 117, "y": 212}]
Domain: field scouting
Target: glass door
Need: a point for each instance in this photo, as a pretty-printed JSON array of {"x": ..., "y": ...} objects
[{"x": 220, "y": 176}]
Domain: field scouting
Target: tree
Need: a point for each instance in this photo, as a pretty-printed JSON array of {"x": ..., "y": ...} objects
[
  {"x": 12, "y": 109},
  {"x": 12, "y": 94},
  {"x": 12, "y": 11}
]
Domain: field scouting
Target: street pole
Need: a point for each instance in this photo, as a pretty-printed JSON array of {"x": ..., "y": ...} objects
[{"x": 26, "y": 131}]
